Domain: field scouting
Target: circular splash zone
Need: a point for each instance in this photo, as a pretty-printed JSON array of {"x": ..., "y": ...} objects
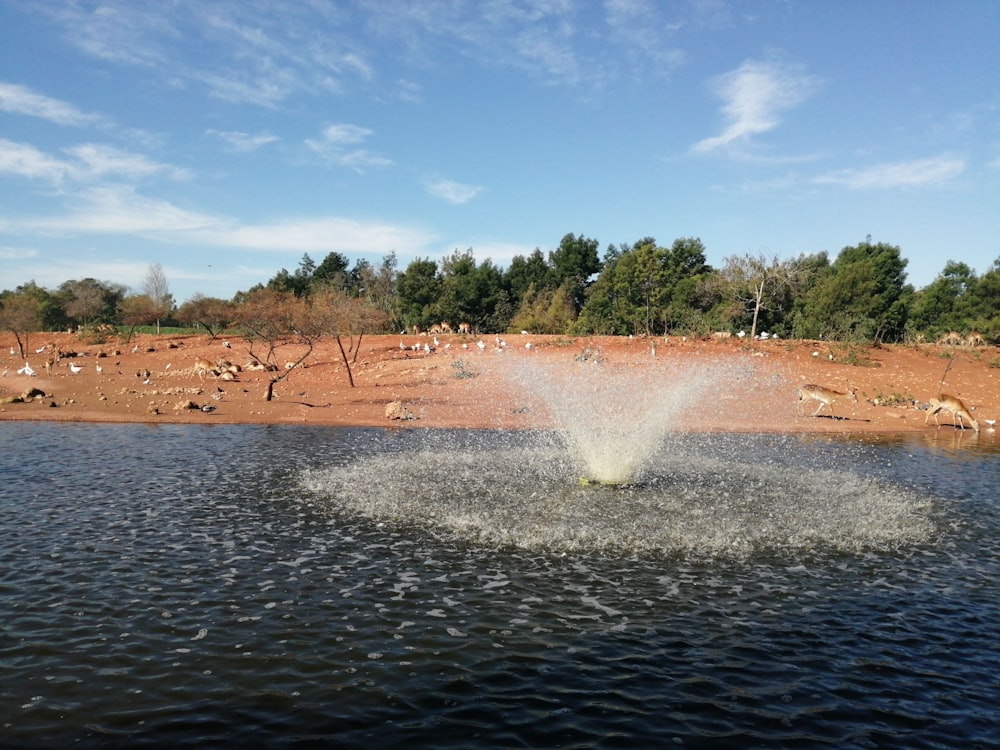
[{"x": 684, "y": 502}]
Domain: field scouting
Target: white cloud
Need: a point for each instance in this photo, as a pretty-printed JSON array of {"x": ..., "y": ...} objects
[
  {"x": 8, "y": 252},
  {"x": 453, "y": 192},
  {"x": 754, "y": 95},
  {"x": 91, "y": 161},
  {"x": 118, "y": 210},
  {"x": 243, "y": 142},
  {"x": 343, "y": 133},
  {"x": 24, "y": 160},
  {"x": 121, "y": 210},
  {"x": 99, "y": 160},
  {"x": 24, "y": 101},
  {"x": 319, "y": 234},
  {"x": 334, "y": 143},
  {"x": 903, "y": 174}
]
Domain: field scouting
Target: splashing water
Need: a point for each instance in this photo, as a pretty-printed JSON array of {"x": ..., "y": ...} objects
[
  {"x": 651, "y": 483},
  {"x": 613, "y": 419}
]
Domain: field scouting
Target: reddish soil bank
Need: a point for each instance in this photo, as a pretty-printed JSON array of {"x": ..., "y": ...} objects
[{"x": 749, "y": 386}]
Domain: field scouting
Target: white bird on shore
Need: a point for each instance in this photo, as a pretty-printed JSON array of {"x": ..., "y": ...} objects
[
  {"x": 227, "y": 345},
  {"x": 99, "y": 368},
  {"x": 26, "y": 370},
  {"x": 991, "y": 423},
  {"x": 481, "y": 344},
  {"x": 75, "y": 369},
  {"x": 12, "y": 352},
  {"x": 39, "y": 351}
]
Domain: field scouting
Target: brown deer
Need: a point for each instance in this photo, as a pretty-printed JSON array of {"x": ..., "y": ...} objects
[
  {"x": 825, "y": 396},
  {"x": 952, "y": 405}
]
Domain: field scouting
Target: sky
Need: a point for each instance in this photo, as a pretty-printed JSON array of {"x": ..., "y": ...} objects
[{"x": 225, "y": 139}]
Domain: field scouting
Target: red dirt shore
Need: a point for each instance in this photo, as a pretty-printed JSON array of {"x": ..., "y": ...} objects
[{"x": 749, "y": 386}]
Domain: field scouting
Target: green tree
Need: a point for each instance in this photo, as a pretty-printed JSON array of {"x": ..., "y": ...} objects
[
  {"x": 573, "y": 263},
  {"x": 332, "y": 271},
  {"x": 943, "y": 305},
  {"x": 419, "y": 289},
  {"x": 644, "y": 288},
  {"x": 863, "y": 297},
  {"x": 89, "y": 302},
  {"x": 984, "y": 304},
  {"x": 528, "y": 272}
]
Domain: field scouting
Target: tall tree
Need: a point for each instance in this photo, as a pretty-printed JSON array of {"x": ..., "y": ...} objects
[
  {"x": 211, "y": 313},
  {"x": 419, "y": 288},
  {"x": 161, "y": 302},
  {"x": 863, "y": 297},
  {"x": 20, "y": 314},
  {"x": 759, "y": 283},
  {"x": 573, "y": 263},
  {"x": 938, "y": 307},
  {"x": 89, "y": 301}
]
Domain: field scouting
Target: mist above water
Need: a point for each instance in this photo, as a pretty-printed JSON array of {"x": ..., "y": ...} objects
[{"x": 613, "y": 418}]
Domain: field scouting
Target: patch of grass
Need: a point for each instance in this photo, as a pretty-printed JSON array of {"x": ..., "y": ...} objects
[
  {"x": 893, "y": 399},
  {"x": 850, "y": 354}
]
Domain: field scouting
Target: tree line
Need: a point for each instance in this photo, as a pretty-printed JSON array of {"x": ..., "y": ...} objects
[{"x": 642, "y": 288}]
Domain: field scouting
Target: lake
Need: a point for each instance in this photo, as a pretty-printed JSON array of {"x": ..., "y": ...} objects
[{"x": 289, "y": 586}]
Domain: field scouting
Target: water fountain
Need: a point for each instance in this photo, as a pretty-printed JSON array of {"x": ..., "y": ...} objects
[{"x": 616, "y": 475}]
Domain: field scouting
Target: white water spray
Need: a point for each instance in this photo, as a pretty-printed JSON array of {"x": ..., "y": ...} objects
[{"x": 614, "y": 418}]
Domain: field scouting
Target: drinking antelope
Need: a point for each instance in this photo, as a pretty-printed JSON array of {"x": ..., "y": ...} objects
[
  {"x": 954, "y": 406},
  {"x": 825, "y": 396}
]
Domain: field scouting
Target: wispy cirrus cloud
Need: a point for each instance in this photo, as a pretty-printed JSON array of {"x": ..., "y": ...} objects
[
  {"x": 241, "y": 142},
  {"x": 119, "y": 209},
  {"x": 21, "y": 100},
  {"x": 338, "y": 143},
  {"x": 262, "y": 53},
  {"x": 754, "y": 96},
  {"x": 87, "y": 162},
  {"x": 122, "y": 210},
  {"x": 901, "y": 174},
  {"x": 24, "y": 160},
  {"x": 456, "y": 193}
]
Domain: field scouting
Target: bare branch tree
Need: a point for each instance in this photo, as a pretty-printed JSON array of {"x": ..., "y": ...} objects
[
  {"x": 756, "y": 282},
  {"x": 155, "y": 287}
]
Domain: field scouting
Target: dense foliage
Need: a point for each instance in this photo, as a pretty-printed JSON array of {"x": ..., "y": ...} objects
[{"x": 641, "y": 288}]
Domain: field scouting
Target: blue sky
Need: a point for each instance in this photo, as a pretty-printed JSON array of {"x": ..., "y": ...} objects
[{"x": 223, "y": 139}]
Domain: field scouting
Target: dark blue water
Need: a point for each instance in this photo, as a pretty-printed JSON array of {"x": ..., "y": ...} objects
[{"x": 313, "y": 587}]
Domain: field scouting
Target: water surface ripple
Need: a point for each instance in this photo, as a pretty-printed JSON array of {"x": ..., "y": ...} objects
[{"x": 253, "y": 586}]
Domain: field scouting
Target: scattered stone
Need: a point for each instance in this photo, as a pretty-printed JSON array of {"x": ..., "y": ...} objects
[
  {"x": 185, "y": 404},
  {"x": 396, "y": 410}
]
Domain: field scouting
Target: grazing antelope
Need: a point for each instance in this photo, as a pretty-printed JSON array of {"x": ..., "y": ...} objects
[
  {"x": 954, "y": 406},
  {"x": 203, "y": 367},
  {"x": 464, "y": 328},
  {"x": 825, "y": 396}
]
